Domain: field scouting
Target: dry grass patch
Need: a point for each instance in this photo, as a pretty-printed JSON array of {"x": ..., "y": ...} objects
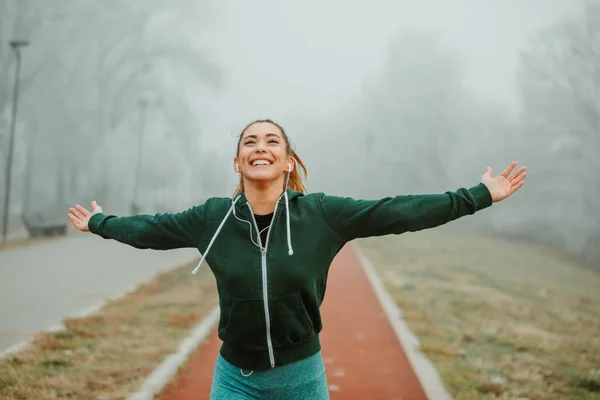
[
  {"x": 24, "y": 242},
  {"x": 13, "y": 244},
  {"x": 498, "y": 319},
  {"x": 111, "y": 352}
]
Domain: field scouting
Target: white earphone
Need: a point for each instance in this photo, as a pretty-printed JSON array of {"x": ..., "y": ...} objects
[{"x": 236, "y": 169}]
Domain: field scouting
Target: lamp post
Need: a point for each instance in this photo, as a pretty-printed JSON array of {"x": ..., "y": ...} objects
[
  {"x": 16, "y": 46},
  {"x": 369, "y": 158},
  {"x": 135, "y": 207}
]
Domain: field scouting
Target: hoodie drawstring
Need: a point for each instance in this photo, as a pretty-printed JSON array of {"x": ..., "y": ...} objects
[
  {"x": 232, "y": 209},
  {"x": 289, "y": 231},
  {"x": 215, "y": 235}
]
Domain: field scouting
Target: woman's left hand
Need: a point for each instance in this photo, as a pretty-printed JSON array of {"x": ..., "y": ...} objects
[{"x": 505, "y": 184}]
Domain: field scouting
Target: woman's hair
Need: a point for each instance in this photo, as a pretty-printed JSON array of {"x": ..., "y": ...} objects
[{"x": 295, "y": 181}]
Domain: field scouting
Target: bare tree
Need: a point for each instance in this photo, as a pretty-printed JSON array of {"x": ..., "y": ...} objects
[
  {"x": 88, "y": 65},
  {"x": 560, "y": 90},
  {"x": 423, "y": 109},
  {"x": 18, "y": 21}
]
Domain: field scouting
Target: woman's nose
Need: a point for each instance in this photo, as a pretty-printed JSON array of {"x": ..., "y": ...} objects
[{"x": 260, "y": 146}]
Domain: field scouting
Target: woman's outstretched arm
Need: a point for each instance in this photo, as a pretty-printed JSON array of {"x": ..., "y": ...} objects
[
  {"x": 352, "y": 218},
  {"x": 158, "y": 231}
]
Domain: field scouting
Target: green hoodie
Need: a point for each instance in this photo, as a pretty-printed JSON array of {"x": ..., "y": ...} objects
[{"x": 270, "y": 295}]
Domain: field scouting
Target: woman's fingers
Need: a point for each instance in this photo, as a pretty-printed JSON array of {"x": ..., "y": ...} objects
[
  {"x": 518, "y": 178},
  {"x": 516, "y": 187},
  {"x": 82, "y": 210},
  {"x": 508, "y": 169},
  {"x": 74, "y": 220},
  {"x": 517, "y": 173},
  {"x": 79, "y": 217},
  {"x": 76, "y": 212}
]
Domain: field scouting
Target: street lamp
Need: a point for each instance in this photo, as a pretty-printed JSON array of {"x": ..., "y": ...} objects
[
  {"x": 143, "y": 105},
  {"x": 16, "y": 46},
  {"x": 369, "y": 157}
]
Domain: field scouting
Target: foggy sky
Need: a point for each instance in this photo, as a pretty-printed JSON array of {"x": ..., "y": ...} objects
[
  {"x": 321, "y": 69},
  {"x": 287, "y": 58}
]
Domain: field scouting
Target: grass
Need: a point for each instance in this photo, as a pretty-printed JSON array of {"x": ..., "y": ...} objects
[
  {"x": 110, "y": 353},
  {"x": 24, "y": 242},
  {"x": 12, "y": 244},
  {"x": 498, "y": 318}
]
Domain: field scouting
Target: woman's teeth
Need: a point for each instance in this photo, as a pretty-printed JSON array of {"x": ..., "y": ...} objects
[{"x": 260, "y": 162}]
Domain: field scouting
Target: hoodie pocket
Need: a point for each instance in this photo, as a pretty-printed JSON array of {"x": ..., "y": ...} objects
[
  {"x": 246, "y": 325},
  {"x": 290, "y": 322}
]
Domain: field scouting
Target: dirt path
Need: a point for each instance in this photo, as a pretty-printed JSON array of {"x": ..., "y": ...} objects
[{"x": 363, "y": 357}]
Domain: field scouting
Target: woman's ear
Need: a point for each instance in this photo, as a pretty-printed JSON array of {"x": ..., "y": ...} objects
[{"x": 236, "y": 167}]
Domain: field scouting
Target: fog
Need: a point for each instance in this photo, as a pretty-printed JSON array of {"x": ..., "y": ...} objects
[
  {"x": 379, "y": 98},
  {"x": 316, "y": 55}
]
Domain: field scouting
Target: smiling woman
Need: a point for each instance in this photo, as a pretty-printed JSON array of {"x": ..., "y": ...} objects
[
  {"x": 264, "y": 143},
  {"x": 272, "y": 257}
]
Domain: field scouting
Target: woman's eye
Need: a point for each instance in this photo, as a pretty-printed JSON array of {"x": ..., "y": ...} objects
[
  {"x": 249, "y": 142},
  {"x": 273, "y": 141}
]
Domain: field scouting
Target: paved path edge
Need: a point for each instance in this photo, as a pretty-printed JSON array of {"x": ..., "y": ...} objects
[
  {"x": 168, "y": 368},
  {"x": 85, "y": 312},
  {"x": 422, "y": 367}
]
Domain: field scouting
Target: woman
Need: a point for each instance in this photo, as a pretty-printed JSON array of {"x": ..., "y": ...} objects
[{"x": 270, "y": 248}]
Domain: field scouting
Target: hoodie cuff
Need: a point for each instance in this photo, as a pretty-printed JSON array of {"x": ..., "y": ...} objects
[
  {"x": 94, "y": 222},
  {"x": 482, "y": 196}
]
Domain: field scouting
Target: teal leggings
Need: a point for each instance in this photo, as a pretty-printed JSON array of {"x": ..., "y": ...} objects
[{"x": 302, "y": 380}]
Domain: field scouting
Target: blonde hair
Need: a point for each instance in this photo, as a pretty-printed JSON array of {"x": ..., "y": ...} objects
[{"x": 295, "y": 180}]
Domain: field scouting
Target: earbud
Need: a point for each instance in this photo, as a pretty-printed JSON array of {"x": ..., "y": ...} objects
[
  {"x": 290, "y": 167},
  {"x": 237, "y": 169}
]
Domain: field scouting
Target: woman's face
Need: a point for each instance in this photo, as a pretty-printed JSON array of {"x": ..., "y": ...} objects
[{"x": 262, "y": 154}]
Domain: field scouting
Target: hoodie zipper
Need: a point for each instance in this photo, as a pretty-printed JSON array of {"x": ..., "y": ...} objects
[{"x": 263, "y": 263}]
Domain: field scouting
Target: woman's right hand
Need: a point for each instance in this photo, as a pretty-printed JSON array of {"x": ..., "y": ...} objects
[{"x": 80, "y": 217}]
